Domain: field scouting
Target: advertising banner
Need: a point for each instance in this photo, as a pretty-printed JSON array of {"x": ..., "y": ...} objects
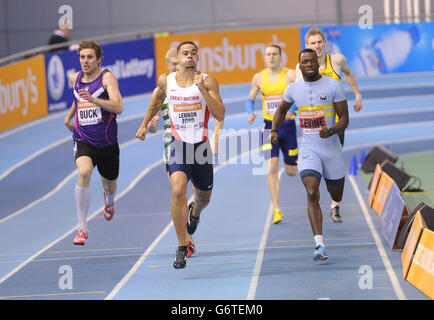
[
  {"x": 382, "y": 192},
  {"x": 384, "y": 48},
  {"x": 132, "y": 62},
  {"x": 393, "y": 211},
  {"x": 421, "y": 273},
  {"x": 23, "y": 95},
  {"x": 411, "y": 242},
  {"x": 233, "y": 56}
]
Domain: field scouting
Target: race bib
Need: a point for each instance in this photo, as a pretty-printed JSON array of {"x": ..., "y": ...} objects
[
  {"x": 311, "y": 120},
  {"x": 272, "y": 102},
  {"x": 88, "y": 113},
  {"x": 187, "y": 113}
]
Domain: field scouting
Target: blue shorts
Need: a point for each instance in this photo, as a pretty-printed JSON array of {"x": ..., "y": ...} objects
[
  {"x": 195, "y": 160},
  {"x": 287, "y": 142}
]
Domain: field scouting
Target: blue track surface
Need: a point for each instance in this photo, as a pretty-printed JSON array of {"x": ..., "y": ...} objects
[{"x": 241, "y": 254}]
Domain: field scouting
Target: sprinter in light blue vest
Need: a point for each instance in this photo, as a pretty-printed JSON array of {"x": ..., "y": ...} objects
[{"x": 319, "y": 100}]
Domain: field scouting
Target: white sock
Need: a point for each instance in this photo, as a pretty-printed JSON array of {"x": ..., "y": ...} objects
[
  {"x": 110, "y": 198},
  {"x": 319, "y": 241},
  {"x": 82, "y": 201},
  {"x": 333, "y": 205}
]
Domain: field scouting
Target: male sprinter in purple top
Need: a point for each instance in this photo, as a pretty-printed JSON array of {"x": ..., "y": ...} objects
[{"x": 97, "y": 101}]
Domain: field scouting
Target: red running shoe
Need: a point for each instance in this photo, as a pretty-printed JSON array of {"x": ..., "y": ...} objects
[
  {"x": 109, "y": 211},
  {"x": 80, "y": 238},
  {"x": 191, "y": 249}
]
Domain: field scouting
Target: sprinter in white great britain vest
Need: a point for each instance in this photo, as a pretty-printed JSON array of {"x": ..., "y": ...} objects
[{"x": 192, "y": 97}]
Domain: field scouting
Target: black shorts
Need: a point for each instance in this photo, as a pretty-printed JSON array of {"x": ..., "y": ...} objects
[{"x": 105, "y": 159}]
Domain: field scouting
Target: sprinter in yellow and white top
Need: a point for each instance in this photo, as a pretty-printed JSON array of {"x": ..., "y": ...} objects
[
  {"x": 272, "y": 82},
  {"x": 319, "y": 100},
  {"x": 192, "y": 97}
]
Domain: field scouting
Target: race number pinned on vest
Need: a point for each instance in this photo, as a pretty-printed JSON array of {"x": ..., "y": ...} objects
[
  {"x": 88, "y": 113},
  {"x": 272, "y": 102},
  {"x": 311, "y": 120}
]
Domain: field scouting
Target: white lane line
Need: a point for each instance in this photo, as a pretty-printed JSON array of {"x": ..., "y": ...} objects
[
  {"x": 93, "y": 215},
  {"x": 261, "y": 250},
  {"x": 54, "y": 145},
  {"x": 386, "y": 262},
  {"x": 33, "y": 156},
  {"x": 59, "y": 186},
  {"x": 31, "y": 124},
  {"x": 43, "y": 198},
  {"x": 151, "y": 247},
  {"x": 59, "y": 114}
]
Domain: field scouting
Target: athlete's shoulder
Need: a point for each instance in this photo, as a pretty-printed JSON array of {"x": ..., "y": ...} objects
[
  {"x": 164, "y": 76},
  {"x": 290, "y": 75},
  {"x": 162, "y": 80},
  {"x": 73, "y": 77},
  {"x": 257, "y": 78},
  {"x": 337, "y": 59},
  {"x": 108, "y": 75}
]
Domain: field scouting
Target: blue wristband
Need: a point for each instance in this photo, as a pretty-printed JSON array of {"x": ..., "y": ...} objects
[
  {"x": 293, "y": 109},
  {"x": 249, "y": 106}
]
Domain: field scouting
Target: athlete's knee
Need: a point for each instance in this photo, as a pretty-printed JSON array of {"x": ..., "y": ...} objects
[
  {"x": 84, "y": 173},
  {"x": 311, "y": 184},
  {"x": 273, "y": 168},
  {"x": 273, "y": 172},
  {"x": 291, "y": 170},
  {"x": 203, "y": 198},
  {"x": 179, "y": 192},
  {"x": 312, "y": 193}
]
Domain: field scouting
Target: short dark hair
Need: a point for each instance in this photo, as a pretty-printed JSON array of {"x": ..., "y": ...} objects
[
  {"x": 306, "y": 50},
  {"x": 185, "y": 42}
]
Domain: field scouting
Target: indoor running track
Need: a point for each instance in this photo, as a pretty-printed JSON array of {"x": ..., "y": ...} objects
[{"x": 241, "y": 254}]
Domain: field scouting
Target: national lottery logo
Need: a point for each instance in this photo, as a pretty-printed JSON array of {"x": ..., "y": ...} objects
[{"x": 55, "y": 77}]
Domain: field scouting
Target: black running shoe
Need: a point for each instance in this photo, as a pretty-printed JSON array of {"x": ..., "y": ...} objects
[
  {"x": 181, "y": 258},
  {"x": 336, "y": 215},
  {"x": 192, "y": 221}
]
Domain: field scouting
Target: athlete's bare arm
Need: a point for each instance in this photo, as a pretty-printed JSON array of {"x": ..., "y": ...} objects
[
  {"x": 157, "y": 100},
  {"x": 341, "y": 108},
  {"x": 72, "y": 77},
  {"x": 218, "y": 125},
  {"x": 340, "y": 61},
  {"x": 114, "y": 103},
  {"x": 69, "y": 116},
  {"x": 211, "y": 93},
  {"x": 290, "y": 77},
  {"x": 256, "y": 84},
  {"x": 279, "y": 117}
]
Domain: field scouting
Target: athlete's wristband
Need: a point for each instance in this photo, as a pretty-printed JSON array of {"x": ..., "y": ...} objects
[
  {"x": 331, "y": 131},
  {"x": 274, "y": 130},
  {"x": 293, "y": 109},
  {"x": 249, "y": 106},
  {"x": 358, "y": 96}
]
